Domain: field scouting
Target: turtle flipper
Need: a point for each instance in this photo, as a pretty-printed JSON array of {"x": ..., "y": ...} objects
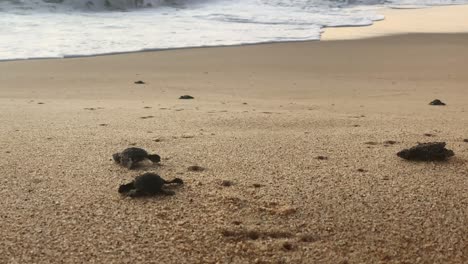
[
  {"x": 127, "y": 162},
  {"x": 167, "y": 192},
  {"x": 135, "y": 193},
  {"x": 177, "y": 181}
]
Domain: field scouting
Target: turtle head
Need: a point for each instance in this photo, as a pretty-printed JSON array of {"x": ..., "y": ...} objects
[
  {"x": 125, "y": 188},
  {"x": 404, "y": 154},
  {"x": 154, "y": 158},
  {"x": 116, "y": 157}
]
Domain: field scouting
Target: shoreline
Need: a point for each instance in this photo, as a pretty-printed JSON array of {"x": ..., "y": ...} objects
[{"x": 380, "y": 28}]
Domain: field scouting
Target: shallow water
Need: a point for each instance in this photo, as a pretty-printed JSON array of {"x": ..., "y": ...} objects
[{"x": 60, "y": 28}]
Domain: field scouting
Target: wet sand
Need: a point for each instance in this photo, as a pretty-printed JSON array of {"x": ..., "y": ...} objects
[
  {"x": 440, "y": 19},
  {"x": 261, "y": 117}
]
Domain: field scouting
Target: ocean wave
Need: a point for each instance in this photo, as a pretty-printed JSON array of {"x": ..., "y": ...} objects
[
  {"x": 128, "y": 5},
  {"x": 83, "y": 5},
  {"x": 60, "y": 28}
]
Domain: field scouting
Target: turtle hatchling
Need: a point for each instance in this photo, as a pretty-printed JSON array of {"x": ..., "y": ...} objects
[
  {"x": 148, "y": 184},
  {"x": 431, "y": 151},
  {"x": 130, "y": 156}
]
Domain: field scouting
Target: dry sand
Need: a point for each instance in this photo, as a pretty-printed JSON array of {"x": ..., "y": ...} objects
[
  {"x": 441, "y": 19},
  {"x": 260, "y": 118}
]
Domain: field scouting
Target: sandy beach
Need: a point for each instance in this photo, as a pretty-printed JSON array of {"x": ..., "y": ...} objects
[
  {"x": 441, "y": 19},
  {"x": 261, "y": 117}
]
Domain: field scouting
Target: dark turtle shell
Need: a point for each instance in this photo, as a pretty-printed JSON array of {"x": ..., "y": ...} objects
[
  {"x": 437, "y": 102},
  {"x": 130, "y": 156},
  {"x": 147, "y": 184},
  {"x": 432, "y": 151}
]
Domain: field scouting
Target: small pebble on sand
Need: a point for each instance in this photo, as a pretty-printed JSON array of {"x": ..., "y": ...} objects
[
  {"x": 287, "y": 246},
  {"x": 195, "y": 168},
  {"x": 227, "y": 183}
]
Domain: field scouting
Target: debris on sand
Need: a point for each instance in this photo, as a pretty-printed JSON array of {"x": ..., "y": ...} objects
[
  {"x": 243, "y": 234},
  {"x": 147, "y": 184},
  {"x": 287, "y": 246},
  {"x": 195, "y": 168},
  {"x": 432, "y": 151},
  {"x": 437, "y": 102},
  {"x": 227, "y": 183},
  {"x": 130, "y": 156},
  {"x": 186, "y": 97},
  {"x": 390, "y": 142},
  {"x": 465, "y": 140},
  {"x": 139, "y": 82},
  {"x": 321, "y": 158}
]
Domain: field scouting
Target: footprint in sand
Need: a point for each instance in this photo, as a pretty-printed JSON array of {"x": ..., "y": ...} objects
[
  {"x": 246, "y": 234},
  {"x": 93, "y": 108}
]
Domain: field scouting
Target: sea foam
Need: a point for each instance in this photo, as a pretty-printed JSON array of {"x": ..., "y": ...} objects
[{"x": 61, "y": 28}]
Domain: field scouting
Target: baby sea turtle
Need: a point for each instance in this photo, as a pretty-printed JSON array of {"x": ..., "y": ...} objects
[
  {"x": 437, "y": 102},
  {"x": 431, "y": 151},
  {"x": 130, "y": 156},
  {"x": 186, "y": 97},
  {"x": 147, "y": 184}
]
